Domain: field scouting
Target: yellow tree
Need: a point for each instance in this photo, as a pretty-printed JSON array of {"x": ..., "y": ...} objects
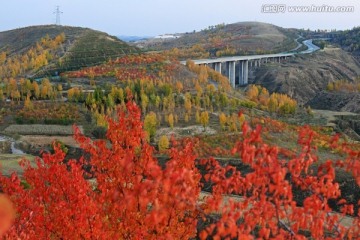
[
  {"x": 144, "y": 102},
  {"x": 12, "y": 86},
  {"x": 264, "y": 97},
  {"x": 222, "y": 120},
  {"x": 27, "y": 103},
  {"x": 187, "y": 103},
  {"x": 198, "y": 89},
  {"x": 44, "y": 92},
  {"x": 36, "y": 89},
  {"x": 101, "y": 119},
  {"x": 16, "y": 95},
  {"x": 170, "y": 120},
  {"x": 186, "y": 118},
  {"x": 252, "y": 93},
  {"x": 204, "y": 119},
  {"x": 179, "y": 87},
  {"x": 232, "y": 122},
  {"x": 157, "y": 102},
  {"x": 46, "y": 88},
  {"x": 197, "y": 117},
  {"x": 71, "y": 93},
  {"x": 241, "y": 119},
  {"x": 210, "y": 88},
  {"x": 22, "y": 86},
  {"x": 203, "y": 75},
  {"x": 60, "y": 38},
  {"x": 165, "y": 103},
  {"x": 163, "y": 143},
  {"x": 273, "y": 103},
  {"x": 28, "y": 86},
  {"x": 150, "y": 123}
]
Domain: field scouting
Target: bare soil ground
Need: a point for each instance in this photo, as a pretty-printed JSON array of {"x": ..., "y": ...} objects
[
  {"x": 39, "y": 129},
  {"x": 185, "y": 131},
  {"x": 42, "y": 140}
]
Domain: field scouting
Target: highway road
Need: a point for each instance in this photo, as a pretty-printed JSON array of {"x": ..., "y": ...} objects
[{"x": 311, "y": 47}]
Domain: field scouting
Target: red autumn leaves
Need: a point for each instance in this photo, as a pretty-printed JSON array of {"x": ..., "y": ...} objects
[{"x": 133, "y": 197}]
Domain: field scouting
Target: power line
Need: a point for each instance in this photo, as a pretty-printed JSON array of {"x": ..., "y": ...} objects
[{"x": 57, "y": 12}]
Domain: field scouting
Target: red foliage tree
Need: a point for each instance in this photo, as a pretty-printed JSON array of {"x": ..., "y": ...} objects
[
  {"x": 133, "y": 197},
  {"x": 267, "y": 208}
]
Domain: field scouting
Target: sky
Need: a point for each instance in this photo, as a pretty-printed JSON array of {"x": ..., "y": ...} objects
[{"x": 155, "y": 17}]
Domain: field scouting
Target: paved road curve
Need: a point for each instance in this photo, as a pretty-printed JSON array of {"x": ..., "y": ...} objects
[{"x": 311, "y": 47}]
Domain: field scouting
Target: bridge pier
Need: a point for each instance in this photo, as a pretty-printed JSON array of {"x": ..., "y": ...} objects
[
  {"x": 257, "y": 63},
  {"x": 242, "y": 63},
  {"x": 231, "y": 72},
  {"x": 218, "y": 67},
  {"x": 243, "y": 72},
  {"x": 246, "y": 73}
]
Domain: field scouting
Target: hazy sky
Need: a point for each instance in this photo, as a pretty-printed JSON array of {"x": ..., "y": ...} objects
[{"x": 153, "y": 17}]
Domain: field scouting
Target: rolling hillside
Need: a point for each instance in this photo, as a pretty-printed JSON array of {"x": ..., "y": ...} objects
[
  {"x": 81, "y": 47},
  {"x": 231, "y": 39},
  {"x": 349, "y": 40},
  {"x": 305, "y": 76}
]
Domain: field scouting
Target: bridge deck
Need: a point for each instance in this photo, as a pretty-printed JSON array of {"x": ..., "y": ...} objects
[{"x": 239, "y": 58}]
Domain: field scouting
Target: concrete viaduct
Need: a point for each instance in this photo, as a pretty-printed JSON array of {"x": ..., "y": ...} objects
[{"x": 228, "y": 65}]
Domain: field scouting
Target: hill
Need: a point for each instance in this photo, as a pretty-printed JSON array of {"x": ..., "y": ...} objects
[
  {"x": 305, "y": 76},
  {"x": 230, "y": 39},
  {"x": 337, "y": 101},
  {"x": 349, "y": 40},
  {"x": 80, "y": 47}
]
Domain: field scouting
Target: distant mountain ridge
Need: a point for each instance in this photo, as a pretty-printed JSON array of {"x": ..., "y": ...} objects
[{"x": 126, "y": 38}]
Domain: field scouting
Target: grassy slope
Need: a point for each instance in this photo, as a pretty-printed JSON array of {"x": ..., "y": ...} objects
[
  {"x": 83, "y": 46},
  {"x": 19, "y": 40},
  {"x": 93, "y": 48},
  {"x": 10, "y": 163}
]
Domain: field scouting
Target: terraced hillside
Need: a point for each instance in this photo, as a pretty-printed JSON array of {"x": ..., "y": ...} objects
[
  {"x": 93, "y": 48},
  {"x": 82, "y": 47}
]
